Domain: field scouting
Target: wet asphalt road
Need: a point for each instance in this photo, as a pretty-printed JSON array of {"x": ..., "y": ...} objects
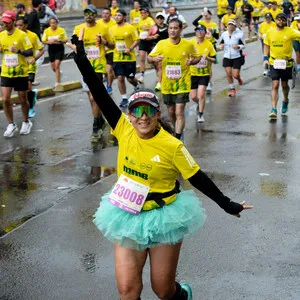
[{"x": 53, "y": 174}]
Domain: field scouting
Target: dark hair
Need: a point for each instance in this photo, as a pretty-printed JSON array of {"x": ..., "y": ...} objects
[
  {"x": 36, "y": 3},
  {"x": 106, "y": 8},
  {"x": 23, "y": 18},
  {"x": 176, "y": 21},
  {"x": 52, "y": 18},
  {"x": 122, "y": 12}
]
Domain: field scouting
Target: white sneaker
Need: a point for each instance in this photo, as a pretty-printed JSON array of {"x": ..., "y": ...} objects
[
  {"x": 208, "y": 88},
  {"x": 10, "y": 130},
  {"x": 200, "y": 119},
  {"x": 141, "y": 79},
  {"x": 265, "y": 72},
  {"x": 26, "y": 127}
]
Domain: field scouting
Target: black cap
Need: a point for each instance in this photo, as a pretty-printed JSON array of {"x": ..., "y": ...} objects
[
  {"x": 145, "y": 9},
  {"x": 91, "y": 8},
  {"x": 281, "y": 16},
  {"x": 200, "y": 27},
  {"x": 229, "y": 7},
  {"x": 122, "y": 12},
  {"x": 268, "y": 15},
  {"x": 143, "y": 96},
  {"x": 20, "y": 5}
]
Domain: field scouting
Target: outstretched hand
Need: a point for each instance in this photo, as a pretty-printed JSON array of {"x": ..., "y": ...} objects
[
  {"x": 75, "y": 39},
  {"x": 243, "y": 204}
]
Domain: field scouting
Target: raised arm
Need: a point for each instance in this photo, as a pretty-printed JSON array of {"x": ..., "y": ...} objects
[{"x": 108, "y": 107}]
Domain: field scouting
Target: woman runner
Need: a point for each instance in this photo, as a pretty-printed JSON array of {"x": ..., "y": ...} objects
[{"x": 145, "y": 213}]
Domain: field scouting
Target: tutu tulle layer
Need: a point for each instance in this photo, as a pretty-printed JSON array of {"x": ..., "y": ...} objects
[{"x": 166, "y": 225}]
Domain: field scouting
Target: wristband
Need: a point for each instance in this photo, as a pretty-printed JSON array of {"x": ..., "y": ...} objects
[{"x": 266, "y": 58}]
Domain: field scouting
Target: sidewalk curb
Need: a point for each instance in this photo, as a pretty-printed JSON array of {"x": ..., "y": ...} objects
[{"x": 72, "y": 85}]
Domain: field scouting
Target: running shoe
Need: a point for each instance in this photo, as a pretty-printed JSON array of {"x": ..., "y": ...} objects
[
  {"x": 298, "y": 69},
  {"x": 273, "y": 114},
  {"x": 232, "y": 93},
  {"x": 188, "y": 289},
  {"x": 158, "y": 87},
  {"x": 208, "y": 88},
  {"x": 200, "y": 118},
  {"x": 240, "y": 80},
  {"x": 285, "y": 106},
  {"x": 26, "y": 127},
  {"x": 109, "y": 90},
  {"x": 141, "y": 78},
  {"x": 35, "y": 91},
  {"x": 31, "y": 113},
  {"x": 10, "y": 130},
  {"x": 123, "y": 103},
  {"x": 266, "y": 73},
  {"x": 137, "y": 87}
]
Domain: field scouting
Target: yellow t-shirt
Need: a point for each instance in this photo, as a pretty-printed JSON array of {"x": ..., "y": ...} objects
[
  {"x": 114, "y": 11},
  {"x": 257, "y": 8},
  {"x": 14, "y": 64},
  {"x": 37, "y": 45},
  {"x": 226, "y": 19},
  {"x": 295, "y": 25},
  {"x": 107, "y": 25},
  {"x": 95, "y": 52},
  {"x": 222, "y": 6},
  {"x": 280, "y": 42},
  {"x": 59, "y": 33},
  {"x": 274, "y": 13},
  {"x": 135, "y": 17},
  {"x": 203, "y": 67},
  {"x": 265, "y": 27},
  {"x": 265, "y": 11},
  {"x": 176, "y": 77},
  {"x": 211, "y": 25},
  {"x": 155, "y": 162},
  {"x": 144, "y": 26},
  {"x": 123, "y": 37},
  {"x": 238, "y": 8}
]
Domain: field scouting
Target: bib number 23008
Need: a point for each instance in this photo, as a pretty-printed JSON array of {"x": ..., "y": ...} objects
[{"x": 129, "y": 195}]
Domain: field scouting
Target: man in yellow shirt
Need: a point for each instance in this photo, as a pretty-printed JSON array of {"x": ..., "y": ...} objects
[
  {"x": 135, "y": 14},
  {"x": 275, "y": 10},
  {"x": 107, "y": 21},
  {"x": 221, "y": 9},
  {"x": 267, "y": 9},
  {"x": 296, "y": 44},
  {"x": 228, "y": 16},
  {"x": 258, "y": 6},
  {"x": 114, "y": 8},
  {"x": 176, "y": 55},
  {"x": 96, "y": 38},
  {"x": 278, "y": 51},
  {"x": 15, "y": 48},
  {"x": 125, "y": 38}
]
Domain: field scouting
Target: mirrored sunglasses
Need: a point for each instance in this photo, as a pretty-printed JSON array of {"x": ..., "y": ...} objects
[
  {"x": 138, "y": 111},
  {"x": 89, "y": 13}
]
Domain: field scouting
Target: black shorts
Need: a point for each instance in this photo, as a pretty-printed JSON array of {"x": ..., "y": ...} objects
[
  {"x": 56, "y": 52},
  {"x": 235, "y": 63},
  {"x": 109, "y": 58},
  {"x": 146, "y": 46},
  {"x": 221, "y": 16},
  {"x": 255, "y": 19},
  {"x": 247, "y": 21},
  {"x": 172, "y": 99},
  {"x": 126, "y": 69},
  {"x": 20, "y": 84},
  {"x": 284, "y": 75},
  {"x": 31, "y": 77},
  {"x": 199, "y": 80}
]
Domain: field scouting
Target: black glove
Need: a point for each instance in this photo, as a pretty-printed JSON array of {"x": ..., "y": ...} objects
[
  {"x": 233, "y": 208},
  {"x": 79, "y": 45}
]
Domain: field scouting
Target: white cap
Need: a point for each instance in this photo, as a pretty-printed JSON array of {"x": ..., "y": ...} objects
[{"x": 233, "y": 22}]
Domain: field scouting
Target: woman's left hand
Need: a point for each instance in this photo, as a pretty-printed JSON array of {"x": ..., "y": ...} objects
[{"x": 243, "y": 203}]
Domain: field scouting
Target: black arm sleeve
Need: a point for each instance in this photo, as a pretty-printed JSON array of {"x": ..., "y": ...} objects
[
  {"x": 205, "y": 185},
  {"x": 27, "y": 53},
  {"x": 222, "y": 41},
  {"x": 241, "y": 42},
  {"x": 195, "y": 22},
  {"x": 109, "y": 109},
  {"x": 216, "y": 35}
]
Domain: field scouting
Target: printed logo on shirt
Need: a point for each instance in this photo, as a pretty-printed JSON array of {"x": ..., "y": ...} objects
[
  {"x": 135, "y": 173},
  {"x": 156, "y": 158},
  {"x": 188, "y": 157}
]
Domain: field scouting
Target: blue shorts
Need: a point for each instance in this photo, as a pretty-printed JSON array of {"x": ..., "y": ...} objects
[{"x": 126, "y": 69}]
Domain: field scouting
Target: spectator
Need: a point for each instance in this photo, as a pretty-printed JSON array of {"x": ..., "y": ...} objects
[
  {"x": 174, "y": 15},
  {"x": 20, "y": 10},
  {"x": 45, "y": 14},
  {"x": 33, "y": 18}
]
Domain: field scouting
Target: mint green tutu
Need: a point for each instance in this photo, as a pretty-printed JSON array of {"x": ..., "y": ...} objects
[{"x": 167, "y": 225}]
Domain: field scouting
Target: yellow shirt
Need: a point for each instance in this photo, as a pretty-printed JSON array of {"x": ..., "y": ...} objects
[
  {"x": 144, "y": 26},
  {"x": 37, "y": 45},
  {"x": 274, "y": 13},
  {"x": 238, "y": 8},
  {"x": 123, "y": 37},
  {"x": 257, "y": 8},
  {"x": 226, "y": 19},
  {"x": 135, "y": 17},
  {"x": 59, "y": 33},
  {"x": 281, "y": 43},
  {"x": 114, "y": 11},
  {"x": 203, "y": 67},
  {"x": 107, "y": 25},
  {"x": 211, "y": 25},
  {"x": 222, "y": 7},
  {"x": 95, "y": 52},
  {"x": 14, "y": 64},
  {"x": 135, "y": 160},
  {"x": 176, "y": 77},
  {"x": 295, "y": 25},
  {"x": 265, "y": 27},
  {"x": 265, "y": 11}
]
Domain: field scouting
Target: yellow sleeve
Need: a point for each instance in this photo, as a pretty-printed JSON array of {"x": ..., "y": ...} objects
[
  {"x": 64, "y": 34},
  {"x": 134, "y": 34},
  {"x": 267, "y": 39},
  {"x": 157, "y": 49},
  {"x": 26, "y": 43},
  {"x": 45, "y": 37},
  {"x": 212, "y": 51},
  {"x": 184, "y": 162},
  {"x": 122, "y": 127}
]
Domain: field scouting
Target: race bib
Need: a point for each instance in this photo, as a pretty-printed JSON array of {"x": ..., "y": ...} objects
[
  {"x": 92, "y": 52},
  {"x": 143, "y": 35},
  {"x": 136, "y": 20},
  {"x": 129, "y": 195},
  {"x": 53, "y": 38},
  {"x": 11, "y": 60},
  {"x": 202, "y": 64},
  {"x": 173, "y": 72},
  {"x": 120, "y": 46},
  {"x": 279, "y": 64},
  {"x": 256, "y": 10}
]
